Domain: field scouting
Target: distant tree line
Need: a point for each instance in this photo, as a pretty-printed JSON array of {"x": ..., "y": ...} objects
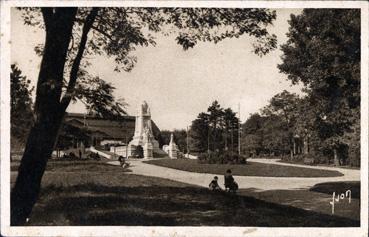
[{"x": 324, "y": 125}]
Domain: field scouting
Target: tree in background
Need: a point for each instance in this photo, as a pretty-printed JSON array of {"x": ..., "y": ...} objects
[
  {"x": 215, "y": 130},
  {"x": 200, "y": 134},
  {"x": 352, "y": 137},
  {"x": 230, "y": 129},
  {"x": 215, "y": 123},
  {"x": 21, "y": 116},
  {"x": 284, "y": 106},
  {"x": 326, "y": 60},
  {"x": 74, "y": 33},
  {"x": 276, "y": 136},
  {"x": 252, "y": 135},
  {"x": 265, "y": 135}
]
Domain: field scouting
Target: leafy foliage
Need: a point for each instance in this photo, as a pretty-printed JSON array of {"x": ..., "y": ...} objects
[
  {"x": 221, "y": 157},
  {"x": 117, "y": 32},
  {"x": 199, "y": 133},
  {"x": 326, "y": 59},
  {"x": 98, "y": 97},
  {"x": 278, "y": 125},
  {"x": 21, "y": 115},
  {"x": 265, "y": 135}
]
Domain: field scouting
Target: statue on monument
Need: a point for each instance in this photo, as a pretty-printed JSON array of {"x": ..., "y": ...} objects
[{"x": 148, "y": 146}]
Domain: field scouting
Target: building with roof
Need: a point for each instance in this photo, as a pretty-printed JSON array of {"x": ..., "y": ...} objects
[{"x": 91, "y": 130}]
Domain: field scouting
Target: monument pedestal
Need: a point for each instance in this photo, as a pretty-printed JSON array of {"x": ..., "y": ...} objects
[
  {"x": 173, "y": 153},
  {"x": 148, "y": 151}
]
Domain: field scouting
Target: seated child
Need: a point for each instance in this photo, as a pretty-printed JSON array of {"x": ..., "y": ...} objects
[
  {"x": 214, "y": 184},
  {"x": 229, "y": 183}
]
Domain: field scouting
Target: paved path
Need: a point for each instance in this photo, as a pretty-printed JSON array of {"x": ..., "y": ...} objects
[{"x": 244, "y": 182}]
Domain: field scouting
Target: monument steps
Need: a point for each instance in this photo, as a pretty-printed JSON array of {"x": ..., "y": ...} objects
[{"x": 105, "y": 154}]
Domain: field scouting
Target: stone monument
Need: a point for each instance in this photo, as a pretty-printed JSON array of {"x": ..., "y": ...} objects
[
  {"x": 172, "y": 148},
  {"x": 143, "y": 136}
]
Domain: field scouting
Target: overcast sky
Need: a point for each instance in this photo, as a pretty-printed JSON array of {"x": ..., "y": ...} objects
[{"x": 179, "y": 84}]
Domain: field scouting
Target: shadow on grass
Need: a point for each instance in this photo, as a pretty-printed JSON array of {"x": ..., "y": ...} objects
[
  {"x": 74, "y": 166},
  {"x": 338, "y": 188},
  {"x": 308, "y": 200},
  {"x": 91, "y": 204}
]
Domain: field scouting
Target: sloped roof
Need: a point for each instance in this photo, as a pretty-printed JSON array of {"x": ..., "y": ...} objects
[{"x": 114, "y": 129}]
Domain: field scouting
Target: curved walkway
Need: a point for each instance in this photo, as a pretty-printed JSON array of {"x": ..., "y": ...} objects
[{"x": 244, "y": 182}]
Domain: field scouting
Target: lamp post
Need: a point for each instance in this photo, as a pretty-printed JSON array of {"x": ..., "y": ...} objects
[
  {"x": 208, "y": 140},
  {"x": 239, "y": 129},
  {"x": 188, "y": 151}
]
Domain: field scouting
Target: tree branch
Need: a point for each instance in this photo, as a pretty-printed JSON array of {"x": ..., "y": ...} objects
[
  {"x": 77, "y": 61},
  {"x": 102, "y": 32}
]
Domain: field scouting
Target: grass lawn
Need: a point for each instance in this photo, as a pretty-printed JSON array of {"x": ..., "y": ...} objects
[
  {"x": 250, "y": 169},
  {"x": 338, "y": 188},
  {"x": 316, "y": 198},
  {"x": 301, "y": 162},
  {"x": 94, "y": 193}
]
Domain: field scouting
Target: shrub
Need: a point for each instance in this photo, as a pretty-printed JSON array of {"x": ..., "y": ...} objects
[
  {"x": 202, "y": 157},
  {"x": 221, "y": 158},
  {"x": 180, "y": 155},
  {"x": 354, "y": 156}
]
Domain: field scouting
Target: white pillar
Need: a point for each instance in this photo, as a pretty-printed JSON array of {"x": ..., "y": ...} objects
[{"x": 148, "y": 150}]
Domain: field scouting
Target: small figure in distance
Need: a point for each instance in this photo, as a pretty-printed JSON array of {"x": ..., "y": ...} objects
[
  {"x": 97, "y": 156},
  {"x": 214, "y": 186},
  {"x": 122, "y": 162},
  {"x": 72, "y": 156},
  {"x": 229, "y": 183}
]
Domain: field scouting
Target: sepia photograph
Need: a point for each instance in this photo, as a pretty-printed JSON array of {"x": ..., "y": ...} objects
[{"x": 176, "y": 118}]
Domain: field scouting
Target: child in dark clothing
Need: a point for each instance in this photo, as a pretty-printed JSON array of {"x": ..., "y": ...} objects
[
  {"x": 229, "y": 183},
  {"x": 123, "y": 162},
  {"x": 214, "y": 184}
]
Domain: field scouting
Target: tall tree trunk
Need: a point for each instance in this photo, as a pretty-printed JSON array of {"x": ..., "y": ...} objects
[
  {"x": 38, "y": 150},
  {"x": 305, "y": 144},
  {"x": 335, "y": 157},
  {"x": 232, "y": 135},
  {"x": 48, "y": 112},
  {"x": 291, "y": 147},
  {"x": 208, "y": 139},
  {"x": 226, "y": 140}
]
